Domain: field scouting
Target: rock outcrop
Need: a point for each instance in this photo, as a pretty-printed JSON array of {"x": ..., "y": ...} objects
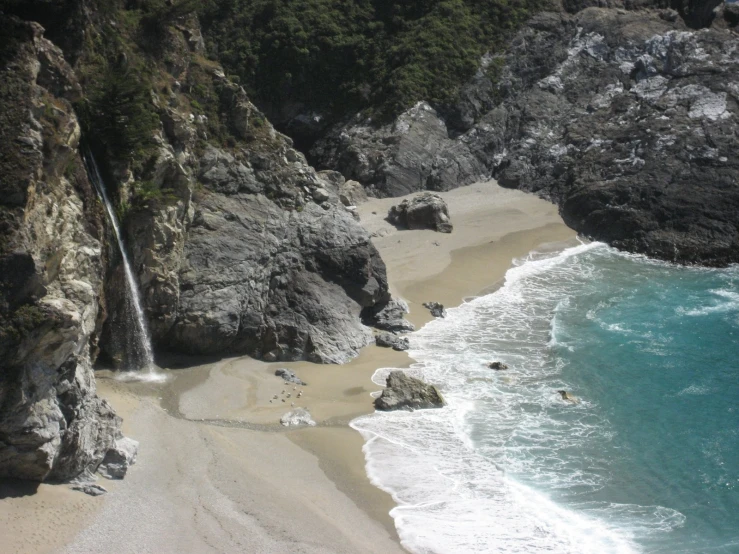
[
  {"x": 424, "y": 211},
  {"x": 411, "y": 154},
  {"x": 252, "y": 251},
  {"x": 626, "y": 119},
  {"x": 390, "y": 340},
  {"x": 403, "y": 392},
  {"x": 53, "y": 426},
  {"x": 391, "y": 317}
]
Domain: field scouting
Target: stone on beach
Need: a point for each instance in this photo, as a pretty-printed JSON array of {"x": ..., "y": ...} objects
[
  {"x": 299, "y": 416},
  {"x": 404, "y": 392},
  {"x": 289, "y": 376},
  {"x": 119, "y": 458},
  {"x": 436, "y": 309},
  {"x": 425, "y": 211},
  {"x": 389, "y": 340}
]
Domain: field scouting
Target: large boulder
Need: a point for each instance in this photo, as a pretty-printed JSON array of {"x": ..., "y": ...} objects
[
  {"x": 424, "y": 211},
  {"x": 390, "y": 340},
  {"x": 403, "y": 392}
]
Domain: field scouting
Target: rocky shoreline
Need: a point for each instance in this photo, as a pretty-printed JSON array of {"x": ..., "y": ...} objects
[{"x": 623, "y": 114}]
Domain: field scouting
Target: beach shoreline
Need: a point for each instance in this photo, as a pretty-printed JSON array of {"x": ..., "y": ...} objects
[{"x": 216, "y": 471}]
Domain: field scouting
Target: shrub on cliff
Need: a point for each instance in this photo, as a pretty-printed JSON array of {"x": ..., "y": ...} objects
[{"x": 342, "y": 55}]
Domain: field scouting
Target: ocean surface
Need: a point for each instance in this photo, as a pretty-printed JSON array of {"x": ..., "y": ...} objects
[{"x": 647, "y": 461}]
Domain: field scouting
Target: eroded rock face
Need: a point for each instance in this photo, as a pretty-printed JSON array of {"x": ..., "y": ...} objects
[
  {"x": 632, "y": 131},
  {"x": 403, "y": 392},
  {"x": 626, "y": 119},
  {"x": 53, "y": 426},
  {"x": 414, "y": 153},
  {"x": 253, "y": 252}
]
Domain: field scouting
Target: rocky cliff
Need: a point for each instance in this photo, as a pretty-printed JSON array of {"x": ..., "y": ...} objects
[
  {"x": 626, "y": 118},
  {"x": 239, "y": 246},
  {"x": 52, "y": 424}
]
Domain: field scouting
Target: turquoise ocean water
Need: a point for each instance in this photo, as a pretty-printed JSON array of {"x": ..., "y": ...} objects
[{"x": 647, "y": 461}]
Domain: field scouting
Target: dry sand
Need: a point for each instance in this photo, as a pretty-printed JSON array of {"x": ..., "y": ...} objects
[{"x": 217, "y": 473}]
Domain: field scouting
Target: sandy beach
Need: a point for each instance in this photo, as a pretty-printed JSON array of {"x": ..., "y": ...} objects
[{"x": 217, "y": 472}]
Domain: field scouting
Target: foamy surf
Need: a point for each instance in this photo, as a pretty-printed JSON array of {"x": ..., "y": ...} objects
[{"x": 507, "y": 466}]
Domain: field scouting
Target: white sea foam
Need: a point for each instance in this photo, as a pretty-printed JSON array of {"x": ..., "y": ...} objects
[
  {"x": 471, "y": 477},
  {"x": 728, "y": 301}
]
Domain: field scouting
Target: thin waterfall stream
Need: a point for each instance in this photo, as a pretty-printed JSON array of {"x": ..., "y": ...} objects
[{"x": 142, "y": 355}]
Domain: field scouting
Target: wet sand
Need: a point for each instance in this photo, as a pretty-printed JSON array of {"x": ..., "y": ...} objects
[{"x": 218, "y": 473}]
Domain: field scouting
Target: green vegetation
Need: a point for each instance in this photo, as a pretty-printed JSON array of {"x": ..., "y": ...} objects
[
  {"x": 119, "y": 114},
  {"x": 345, "y": 55}
]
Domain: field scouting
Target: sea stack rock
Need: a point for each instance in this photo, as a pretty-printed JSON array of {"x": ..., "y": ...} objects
[
  {"x": 404, "y": 392},
  {"x": 425, "y": 211}
]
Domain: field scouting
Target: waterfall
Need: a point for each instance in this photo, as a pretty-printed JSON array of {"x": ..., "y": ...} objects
[{"x": 142, "y": 355}]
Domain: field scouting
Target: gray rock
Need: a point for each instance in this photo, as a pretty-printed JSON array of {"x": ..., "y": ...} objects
[
  {"x": 413, "y": 153},
  {"x": 53, "y": 426},
  {"x": 320, "y": 195},
  {"x": 89, "y": 488},
  {"x": 352, "y": 193},
  {"x": 425, "y": 211},
  {"x": 249, "y": 264},
  {"x": 436, "y": 309},
  {"x": 299, "y": 416},
  {"x": 625, "y": 119},
  {"x": 119, "y": 458},
  {"x": 289, "y": 376},
  {"x": 404, "y": 392},
  {"x": 389, "y": 340},
  {"x": 391, "y": 317},
  {"x": 497, "y": 366}
]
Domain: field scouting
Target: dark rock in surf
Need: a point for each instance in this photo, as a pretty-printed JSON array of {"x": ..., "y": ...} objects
[
  {"x": 404, "y": 392},
  {"x": 497, "y": 366},
  {"x": 436, "y": 309}
]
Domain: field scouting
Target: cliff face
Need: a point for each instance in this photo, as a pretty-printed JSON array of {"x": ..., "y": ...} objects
[
  {"x": 239, "y": 246},
  {"x": 52, "y": 424},
  {"x": 251, "y": 251},
  {"x": 626, "y": 119}
]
